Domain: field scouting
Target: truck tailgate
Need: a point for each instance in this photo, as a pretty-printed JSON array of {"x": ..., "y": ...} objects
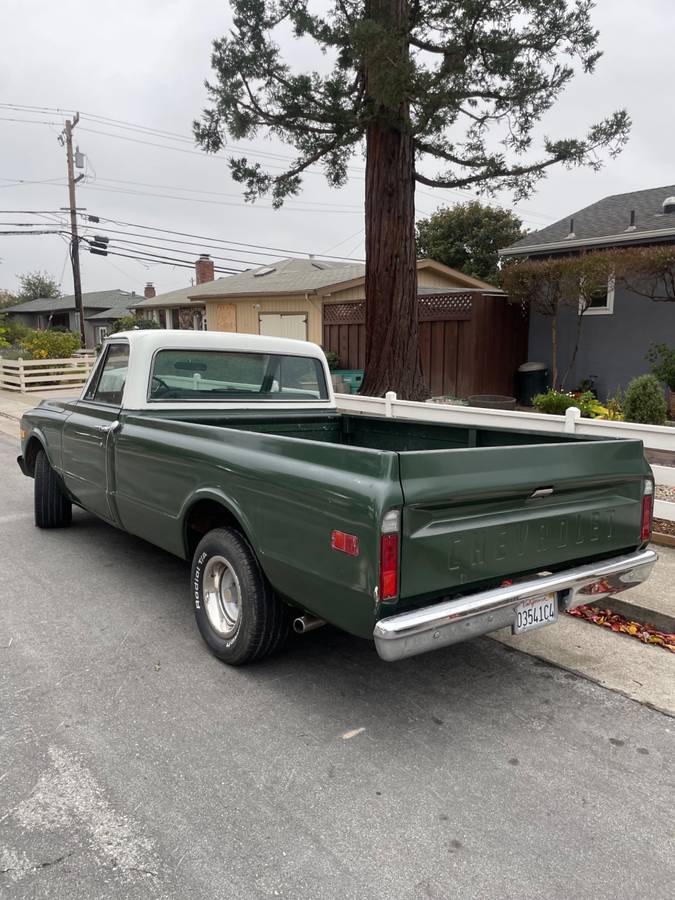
[{"x": 478, "y": 514}]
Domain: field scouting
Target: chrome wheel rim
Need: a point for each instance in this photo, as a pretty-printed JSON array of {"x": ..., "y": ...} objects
[{"x": 222, "y": 596}]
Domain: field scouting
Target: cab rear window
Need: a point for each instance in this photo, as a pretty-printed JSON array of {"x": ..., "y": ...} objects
[{"x": 227, "y": 375}]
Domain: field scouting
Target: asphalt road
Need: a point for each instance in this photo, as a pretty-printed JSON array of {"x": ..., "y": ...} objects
[{"x": 135, "y": 765}]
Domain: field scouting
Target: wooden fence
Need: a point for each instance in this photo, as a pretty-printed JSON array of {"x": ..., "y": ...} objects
[
  {"x": 471, "y": 342},
  {"x": 44, "y": 374}
]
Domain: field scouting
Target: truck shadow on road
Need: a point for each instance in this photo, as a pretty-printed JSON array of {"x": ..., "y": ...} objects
[{"x": 337, "y": 680}]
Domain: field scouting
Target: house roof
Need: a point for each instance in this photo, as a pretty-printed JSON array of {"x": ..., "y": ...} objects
[
  {"x": 311, "y": 276},
  {"x": 180, "y": 297},
  {"x": 287, "y": 276},
  {"x": 605, "y": 223},
  {"x": 94, "y": 300},
  {"x": 115, "y": 312}
]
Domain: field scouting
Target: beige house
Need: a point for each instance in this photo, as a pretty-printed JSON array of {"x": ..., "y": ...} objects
[{"x": 286, "y": 298}]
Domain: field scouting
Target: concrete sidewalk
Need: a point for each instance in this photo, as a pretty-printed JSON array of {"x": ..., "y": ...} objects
[{"x": 13, "y": 404}]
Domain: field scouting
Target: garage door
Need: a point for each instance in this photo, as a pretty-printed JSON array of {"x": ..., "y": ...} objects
[{"x": 287, "y": 325}]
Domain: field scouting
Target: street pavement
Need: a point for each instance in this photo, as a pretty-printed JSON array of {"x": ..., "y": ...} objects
[{"x": 133, "y": 764}]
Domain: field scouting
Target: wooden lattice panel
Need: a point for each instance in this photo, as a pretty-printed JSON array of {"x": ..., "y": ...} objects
[
  {"x": 344, "y": 313},
  {"x": 436, "y": 307},
  {"x": 445, "y": 306}
]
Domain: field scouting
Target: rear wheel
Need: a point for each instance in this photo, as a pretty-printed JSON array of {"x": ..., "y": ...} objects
[
  {"x": 52, "y": 508},
  {"x": 238, "y": 614}
]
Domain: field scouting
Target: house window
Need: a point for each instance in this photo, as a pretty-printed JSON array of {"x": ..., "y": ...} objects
[
  {"x": 58, "y": 320},
  {"x": 101, "y": 333},
  {"x": 601, "y": 302}
]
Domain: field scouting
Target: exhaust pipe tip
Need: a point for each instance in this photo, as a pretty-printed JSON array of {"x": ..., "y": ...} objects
[{"x": 303, "y": 624}]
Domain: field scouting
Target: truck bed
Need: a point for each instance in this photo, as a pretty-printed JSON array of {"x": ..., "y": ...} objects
[
  {"x": 479, "y": 504},
  {"x": 373, "y": 433}
]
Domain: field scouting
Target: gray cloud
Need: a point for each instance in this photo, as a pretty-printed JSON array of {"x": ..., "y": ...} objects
[{"x": 145, "y": 62}]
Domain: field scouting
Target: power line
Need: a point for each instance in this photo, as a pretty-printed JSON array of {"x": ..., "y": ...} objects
[
  {"x": 213, "y": 193},
  {"x": 207, "y": 245},
  {"x": 15, "y": 182},
  {"x": 218, "y": 240},
  {"x": 288, "y": 208},
  {"x": 165, "y": 134},
  {"x": 26, "y": 233},
  {"x": 149, "y": 254},
  {"x": 188, "y": 252},
  {"x": 167, "y": 261},
  {"x": 29, "y": 121},
  {"x": 201, "y": 241}
]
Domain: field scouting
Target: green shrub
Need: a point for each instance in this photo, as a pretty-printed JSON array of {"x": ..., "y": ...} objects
[
  {"x": 13, "y": 330},
  {"x": 332, "y": 359},
  {"x": 553, "y": 402},
  {"x": 662, "y": 359},
  {"x": 644, "y": 401},
  {"x": 556, "y": 403},
  {"x": 128, "y": 323},
  {"x": 50, "y": 344}
]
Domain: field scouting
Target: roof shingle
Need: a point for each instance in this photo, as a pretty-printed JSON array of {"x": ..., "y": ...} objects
[
  {"x": 94, "y": 300},
  {"x": 608, "y": 218}
]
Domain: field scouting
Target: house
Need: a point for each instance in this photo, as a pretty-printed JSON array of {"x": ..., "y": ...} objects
[
  {"x": 619, "y": 326},
  {"x": 471, "y": 339},
  {"x": 288, "y": 298},
  {"x": 101, "y": 308},
  {"x": 173, "y": 309}
]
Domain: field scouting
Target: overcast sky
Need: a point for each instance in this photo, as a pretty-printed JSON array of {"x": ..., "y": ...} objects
[{"x": 144, "y": 61}]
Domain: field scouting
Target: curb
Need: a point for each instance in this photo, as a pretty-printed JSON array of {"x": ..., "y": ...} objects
[
  {"x": 643, "y": 615},
  {"x": 664, "y": 540},
  {"x": 594, "y": 679}
]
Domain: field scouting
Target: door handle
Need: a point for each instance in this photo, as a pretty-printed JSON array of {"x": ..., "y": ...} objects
[{"x": 114, "y": 426}]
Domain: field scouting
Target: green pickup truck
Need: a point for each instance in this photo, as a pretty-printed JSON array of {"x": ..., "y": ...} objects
[{"x": 228, "y": 450}]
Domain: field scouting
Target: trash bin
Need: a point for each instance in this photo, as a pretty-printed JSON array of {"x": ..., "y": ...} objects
[
  {"x": 352, "y": 377},
  {"x": 532, "y": 379}
]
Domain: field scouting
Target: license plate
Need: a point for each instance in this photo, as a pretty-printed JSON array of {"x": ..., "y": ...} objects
[{"x": 535, "y": 612}]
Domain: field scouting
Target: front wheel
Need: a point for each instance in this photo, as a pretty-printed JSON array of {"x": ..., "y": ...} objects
[
  {"x": 52, "y": 508},
  {"x": 238, "y": 614}
]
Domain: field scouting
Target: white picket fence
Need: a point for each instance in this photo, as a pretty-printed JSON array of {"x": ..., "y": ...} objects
[
  {"x": 42, "y": 374},
  {"x": 654, "y": 437}
]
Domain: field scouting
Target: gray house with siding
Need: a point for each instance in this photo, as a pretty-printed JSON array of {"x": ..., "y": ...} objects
[
  {"x": 101, "y": 309},
  {"x": 619, "y": 326}
]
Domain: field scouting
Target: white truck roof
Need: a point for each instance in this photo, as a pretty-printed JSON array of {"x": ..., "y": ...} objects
[{"x": 144, "y": 343}]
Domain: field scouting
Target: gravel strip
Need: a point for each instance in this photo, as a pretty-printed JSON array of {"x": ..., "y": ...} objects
[
  {"x": 665, "y": 493},
  {"x": 664, "y": 526}
]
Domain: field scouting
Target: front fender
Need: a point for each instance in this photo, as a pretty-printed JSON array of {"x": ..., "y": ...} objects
[{"x": 34, "y": 441}]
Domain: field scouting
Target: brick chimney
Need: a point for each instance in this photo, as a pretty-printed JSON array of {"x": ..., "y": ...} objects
[
  {"x": 149, "y": 291},
  {"x": 204, "y": 269}
]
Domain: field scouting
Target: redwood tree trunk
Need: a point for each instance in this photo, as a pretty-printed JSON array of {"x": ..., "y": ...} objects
[{"x": 392, "y": 330}]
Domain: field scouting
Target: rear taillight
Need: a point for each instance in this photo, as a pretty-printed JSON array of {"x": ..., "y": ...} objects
[
  {"x": 647, "y": 511},
  {"x": 389, "y": 552}
]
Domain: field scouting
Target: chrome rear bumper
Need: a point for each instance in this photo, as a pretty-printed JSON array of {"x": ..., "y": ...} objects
[{"x": 421, "y": 630}]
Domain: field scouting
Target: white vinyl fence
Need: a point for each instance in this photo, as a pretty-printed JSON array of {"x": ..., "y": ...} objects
[
  {"x": 654, "y": 437},
  {"x": 44, "y": 374}
]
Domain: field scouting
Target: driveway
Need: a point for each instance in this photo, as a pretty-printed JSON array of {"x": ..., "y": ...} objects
[{"x": 135, "y": 765}]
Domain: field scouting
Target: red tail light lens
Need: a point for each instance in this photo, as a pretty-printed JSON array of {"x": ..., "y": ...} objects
[
  {"x": 388, "y": 566},
  {"x": 647, "y": 510},
  {"x": 346, "y": 543}
]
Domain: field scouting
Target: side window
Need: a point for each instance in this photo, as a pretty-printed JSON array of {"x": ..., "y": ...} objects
[{"x": 108, "y": 385}]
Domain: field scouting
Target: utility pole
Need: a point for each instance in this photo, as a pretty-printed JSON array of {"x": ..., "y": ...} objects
[{"x": 74, "y": 237}]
